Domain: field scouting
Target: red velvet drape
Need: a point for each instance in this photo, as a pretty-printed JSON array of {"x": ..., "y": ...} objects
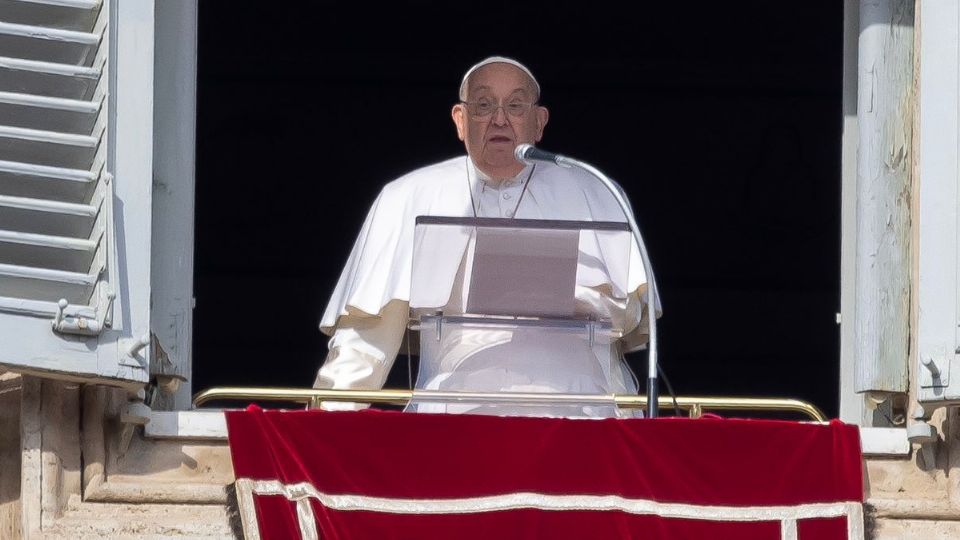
[{"x": 707, "y": 462}]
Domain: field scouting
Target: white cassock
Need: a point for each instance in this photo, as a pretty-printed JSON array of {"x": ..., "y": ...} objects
[{"x": 368, "y": 311}]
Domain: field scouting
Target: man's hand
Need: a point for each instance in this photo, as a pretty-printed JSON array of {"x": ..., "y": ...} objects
[{"x": 325, "y": 383}]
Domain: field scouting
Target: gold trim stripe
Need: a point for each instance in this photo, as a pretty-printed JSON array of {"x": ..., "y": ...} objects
[{"x": 786, "y": 515}]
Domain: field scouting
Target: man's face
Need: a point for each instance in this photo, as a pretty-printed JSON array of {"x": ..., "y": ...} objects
[{"x": 490, "y": 139}]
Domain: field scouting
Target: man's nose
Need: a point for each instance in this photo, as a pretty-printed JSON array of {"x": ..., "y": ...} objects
[{"x": 500, "y": 116}]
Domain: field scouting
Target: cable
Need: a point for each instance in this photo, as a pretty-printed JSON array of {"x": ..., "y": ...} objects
[
  {"x": 663, "y": 375},
  {"x": 409, "y": 363}
]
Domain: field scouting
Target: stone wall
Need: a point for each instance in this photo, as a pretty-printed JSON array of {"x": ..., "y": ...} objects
[{"x": 87, "y": 473}]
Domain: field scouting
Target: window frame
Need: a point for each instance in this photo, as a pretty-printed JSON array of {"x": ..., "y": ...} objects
[{"x": 876, "y": 441}]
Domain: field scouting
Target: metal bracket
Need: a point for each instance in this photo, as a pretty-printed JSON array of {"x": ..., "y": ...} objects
[
  {"x": 133, "y": 415},
  {"x": 73, "y": 324},
  {"x": 130, "y": 350},
  {"x": 922, "y": 433},
  {"x": 934, "y": 368},
  {"x": 80, "y": 324},
  {"x": 926, "y": 436}
]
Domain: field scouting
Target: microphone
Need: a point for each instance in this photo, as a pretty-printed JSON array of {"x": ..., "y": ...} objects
[{"x": 528, "y": 153}]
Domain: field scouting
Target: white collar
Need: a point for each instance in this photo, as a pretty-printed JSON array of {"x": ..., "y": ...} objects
[{"x": 480, "y": 179}]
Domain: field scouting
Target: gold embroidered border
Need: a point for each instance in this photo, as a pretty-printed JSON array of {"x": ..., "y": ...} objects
[{"x": 302, "y": 492}]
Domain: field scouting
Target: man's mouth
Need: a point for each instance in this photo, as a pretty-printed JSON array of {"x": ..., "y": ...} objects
[{"x": 500, "y": 139}]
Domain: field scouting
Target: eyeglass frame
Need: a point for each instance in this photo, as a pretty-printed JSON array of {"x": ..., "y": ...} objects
[{"x": 501, "y": 105}]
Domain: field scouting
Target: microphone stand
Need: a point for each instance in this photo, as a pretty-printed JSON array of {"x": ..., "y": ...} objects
[{"x": 528, "y": 153}]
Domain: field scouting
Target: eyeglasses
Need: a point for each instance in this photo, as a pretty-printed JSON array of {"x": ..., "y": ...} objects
[{"x": 486, "y": 107}]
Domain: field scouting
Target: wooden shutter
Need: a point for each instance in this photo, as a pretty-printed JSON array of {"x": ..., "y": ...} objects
[
  {"x": 74, "y": 208},
  {"x": 938, "y": 369}
]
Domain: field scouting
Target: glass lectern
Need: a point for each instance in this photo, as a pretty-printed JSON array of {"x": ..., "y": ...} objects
[{"x": 510, "y": 308}]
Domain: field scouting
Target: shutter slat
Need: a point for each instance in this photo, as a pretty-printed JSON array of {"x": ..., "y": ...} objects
[
  {"x": 47, "y": 217},
  {"x": 48, "y": 113},
  {"x": 49, "y": 148},
  {"x": 47, "y": 78},
  {"x": 52, "y": 183},
  {"x": 52, "y": 119},
  {"x": 78, "y": 15},
  {"x": 41, "y": 308},
  {"x": 47, "y": 251},
  {"x": 43, "y": 284},
  {"x": 48, "y": 44}
]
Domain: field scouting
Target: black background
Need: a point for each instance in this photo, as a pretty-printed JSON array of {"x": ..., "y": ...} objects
[{"x": 721, "y": 119}]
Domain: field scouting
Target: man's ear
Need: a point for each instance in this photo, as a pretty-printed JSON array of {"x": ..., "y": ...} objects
[
  {"x": 542, "y": 116},
  {"x": 459, "y": 119}
]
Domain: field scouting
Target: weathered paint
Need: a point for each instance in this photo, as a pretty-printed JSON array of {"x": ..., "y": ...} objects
[
  {"x": 883, "y": 194},
  {"x": 173, "y": 195}
]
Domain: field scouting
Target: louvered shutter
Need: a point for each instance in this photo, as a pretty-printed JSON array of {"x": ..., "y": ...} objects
[{"x": 73, "y": 294}]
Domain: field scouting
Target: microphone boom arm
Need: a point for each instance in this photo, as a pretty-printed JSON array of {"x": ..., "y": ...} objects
[{"x": 528, "y": 153}]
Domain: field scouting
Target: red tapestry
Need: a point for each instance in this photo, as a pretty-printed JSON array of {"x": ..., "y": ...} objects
[{"x": 379, "y": 474}]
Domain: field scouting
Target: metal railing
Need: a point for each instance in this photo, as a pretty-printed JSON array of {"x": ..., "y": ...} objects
[{"x": 694, "y": 406}]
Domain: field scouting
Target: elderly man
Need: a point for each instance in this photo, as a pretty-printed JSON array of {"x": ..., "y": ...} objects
[{"x": 368, "y": 311}]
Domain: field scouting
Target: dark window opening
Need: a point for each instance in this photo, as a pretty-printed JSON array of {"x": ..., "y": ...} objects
[{"x": 722, "y": 121}]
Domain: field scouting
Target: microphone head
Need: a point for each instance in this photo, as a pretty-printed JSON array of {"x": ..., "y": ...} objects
[{"x": 522, "y": 151}]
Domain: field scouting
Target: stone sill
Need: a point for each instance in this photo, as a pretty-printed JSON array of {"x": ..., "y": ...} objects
[
  {"x": 212, "y": 426},
  {"x": 186, "y": 425}
]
